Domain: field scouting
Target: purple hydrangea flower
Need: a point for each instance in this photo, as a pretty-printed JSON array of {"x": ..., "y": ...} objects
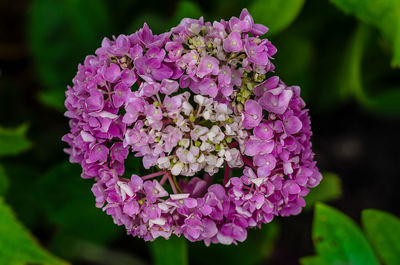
[
  {"x": 193, "y": 104},
  {"x": 233, "y": 42}
]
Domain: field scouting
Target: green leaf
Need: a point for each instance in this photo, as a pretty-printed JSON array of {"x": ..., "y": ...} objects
[
  {"x": 171, "y": 251},
  {"x": 329, "y": 189},
  {"x": 383, "y": 14},
  {"x": 314, "y": 260},
  {"x": 275, "y": 14},
  {"x": 69, "y": 203},
  {"x": 351, "y": 82},
  {"x": 61, "y": 34},
  {"x": 186, "y": 9},
  {"x": 17, "y": 245},
  {"x": 260, "y": 243},
  {"x": 338, "y": 239},
  {"x": 13, "y": 141},
  {"x": 383, "y": 231},
  {"x": 3, "y": 181}
]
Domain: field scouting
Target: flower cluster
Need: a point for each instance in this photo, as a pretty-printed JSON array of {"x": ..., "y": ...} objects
[
  {"x": 226, "y": 145},
  {"x": 175, "y": 137}
]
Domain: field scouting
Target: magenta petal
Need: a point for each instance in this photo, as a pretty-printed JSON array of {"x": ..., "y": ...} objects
[
  {"x": 120, "y": 94},
  {"x": 210, "y": 228},
  {"x": 149, "y": 161},
  {"x": 252, "y": 114},
  {"x": 266, "y": 147},
  {"x": 131, "y": 208},
  {"x": 190, "y": 202},
  {"x": 196, "y": 187},
  {"x": 98, "y": 153},
  {"x": 253, "y": 107},
  {"x": 292, "y": 125},
  {"x": 118, "y": 152},
  {"x": 164, "y": 72},
  {"x": 234, "y": 231},
  {"x": 112, "y": 73},
  {"x": 259, "y": 29},
  {"x": 128, "y": 77},
  {"x": 208, "y": 87},
  {"x": 226, "y": 90},
  {"x": 276, "y": 103},
  {"x": 291, "y": 187},
  {"x": 208, "y": 65},
  {"x": 169, "y": 86},
  {"x": 136, "y": 183},
  {"x": 233, "y": 42},
  {"x": 253, "y": 147},
  {"x": 263, "y": 131},
  {"x": 121, "y": 46},
  {"x": 268, "y": 84},
  {"x": 263, "y": 172},
  {"x": 149, "y": 89},
  {"x": 95, "y": 101}
]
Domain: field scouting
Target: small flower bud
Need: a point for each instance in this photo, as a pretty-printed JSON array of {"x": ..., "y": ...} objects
[
  {"x": 239, "y": 107},
  {"x": 246, "y": 94}
]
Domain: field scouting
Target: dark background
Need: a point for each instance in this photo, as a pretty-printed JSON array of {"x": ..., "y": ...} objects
[{"x": 356, "y": 135}]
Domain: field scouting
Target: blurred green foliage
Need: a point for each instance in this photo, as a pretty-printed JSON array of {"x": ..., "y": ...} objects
[
  {"x": 3, "y": 181},
  {"x": 68, "y": 203},
  {"x": 17, "y": 246},
  {"x": 329, "y": 189},
  {"x": 185, "y": 9},
  {"x": 171, "y": 251},
  {"x": 383, "y": 14},
  {"x": 383, "y": 231},
  {"x": 339, "y": 240},
  {"x": 276, "y": 14},
  {"x": 69, "y": 24},
  {"x": 13, "y": 141},
  {"x": 352, "y": 82}
]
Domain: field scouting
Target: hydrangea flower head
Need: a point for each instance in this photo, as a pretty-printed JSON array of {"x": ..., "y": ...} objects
[{"x": 224, "y": 143}]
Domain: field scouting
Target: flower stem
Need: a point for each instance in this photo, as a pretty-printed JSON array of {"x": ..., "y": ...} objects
[
  {"x": 150, "y": 176},
  {"x": 227, "y": 173},
  {"x": 164, "y": 178},
  {"x": 176, "y": 184},
  {"x": 231, "y": 145},
  {"x": 248, "y": 162},
  {"x": 172, "y": 183}
]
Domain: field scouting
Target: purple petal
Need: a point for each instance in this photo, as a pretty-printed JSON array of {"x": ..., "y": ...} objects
[
  {"x": 292, "y": 125},
  {"x": 112, "y": 73}
]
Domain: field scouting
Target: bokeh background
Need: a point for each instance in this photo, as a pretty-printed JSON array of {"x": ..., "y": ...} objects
[{"x": 345, "y": 55}]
